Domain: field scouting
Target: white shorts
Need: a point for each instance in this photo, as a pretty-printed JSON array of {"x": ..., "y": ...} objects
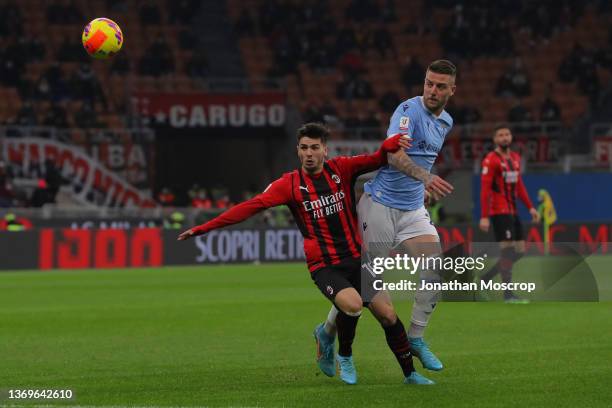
[{"x": 385, "y": 228}]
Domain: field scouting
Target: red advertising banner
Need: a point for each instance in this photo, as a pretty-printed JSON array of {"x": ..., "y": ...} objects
[{"x": 201, "y": 110}]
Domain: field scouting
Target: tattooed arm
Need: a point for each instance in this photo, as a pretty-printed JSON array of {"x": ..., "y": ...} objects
[{"x": 436, "y": 185}]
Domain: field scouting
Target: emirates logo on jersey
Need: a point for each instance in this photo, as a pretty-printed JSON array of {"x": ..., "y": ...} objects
[{"x": 325, "y": 205}]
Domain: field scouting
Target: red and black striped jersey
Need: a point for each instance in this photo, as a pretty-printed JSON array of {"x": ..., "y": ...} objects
[
  {"x": 323, "y": 206},
  {"x": 501, "y": 183}
]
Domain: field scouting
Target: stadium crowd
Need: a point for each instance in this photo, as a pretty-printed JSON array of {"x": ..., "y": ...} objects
[{"x": 331, "y": 51}]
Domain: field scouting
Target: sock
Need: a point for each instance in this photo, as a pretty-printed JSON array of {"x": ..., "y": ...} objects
[
  {"x": 347, "y": 326},
  {"x": 330, "y": 324},
  {"x": 416, "y": 330},
  {"x": 424, "y": 303},
  {"x": 398, "y": 343}
]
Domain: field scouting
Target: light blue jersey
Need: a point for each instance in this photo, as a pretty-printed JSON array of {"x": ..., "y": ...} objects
[{"x": 393, "y": 188}]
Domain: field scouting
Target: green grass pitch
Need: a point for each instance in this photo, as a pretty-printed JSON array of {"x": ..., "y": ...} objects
[{"x": 241, "y": 336}]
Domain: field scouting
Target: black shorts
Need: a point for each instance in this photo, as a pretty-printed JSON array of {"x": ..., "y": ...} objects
[
  {"x": 347, "y": 274},
  {"x": 507, "y": 227}
]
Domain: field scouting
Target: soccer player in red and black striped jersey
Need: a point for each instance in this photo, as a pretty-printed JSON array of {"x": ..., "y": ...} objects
[
  {"x": 501, "y": 184},
  {"x": 321, "y": 196}
]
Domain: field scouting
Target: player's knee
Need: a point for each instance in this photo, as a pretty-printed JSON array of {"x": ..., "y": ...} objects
[
  {"x": 354, "y": 309},
  {"x": 353, "y": 306}
]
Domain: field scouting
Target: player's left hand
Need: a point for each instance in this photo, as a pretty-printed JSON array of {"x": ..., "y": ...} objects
[
  {"x": 535, "y": 215},
  {"x": 396, "y": 142},
  {"x": 186, "y": 235}
]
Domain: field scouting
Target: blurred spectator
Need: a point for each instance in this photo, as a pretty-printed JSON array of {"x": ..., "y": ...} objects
[
  {"x": 40, "y": 195},
  {"x": 329, "y": 112},
  {"x": 549, "y": 110},
  {"x": 42, "y": 90},
  {"x": 383, "y": 42},
  {"x": 351, "y": 63},
  {"x": 6, "y": 187},
  {"x": 56, "y": 116},
  {"x": 11, "y": 69},
  {"x": 312, "y": 112},
  {"x": 57, "y": 83},
  {"x": 352, "y": 120},
  {"x": 27, "y": 115},
  {"x": 353, "y": 88},
  {"x": 149, "y": 13},
  {"x": 166, "y": 197},
  {"x": 413, "y": 73},
  {"x": 363, "y": 37},
  {"x": 463, "y": 115},
  {"x": 223, "y": 202},
  {"x": 158, "y": 59},
  {"x": 53, "y": 179},
  {"x": 193, "y": 191},
  {"x": 201, "y": 200},
  {"x": 389, "y": 101},
  {"x": 471, "y": 115},
  {"x": 514, "y": 81},
  {"x": 85, "y": 85},
  {"x": 86, "y": 116}
]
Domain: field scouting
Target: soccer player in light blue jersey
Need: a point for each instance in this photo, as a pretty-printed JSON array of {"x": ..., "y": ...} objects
[{"x": 391, "y": 210}]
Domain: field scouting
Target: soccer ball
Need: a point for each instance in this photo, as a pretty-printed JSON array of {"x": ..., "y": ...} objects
[{"x": 102, "y": 38}]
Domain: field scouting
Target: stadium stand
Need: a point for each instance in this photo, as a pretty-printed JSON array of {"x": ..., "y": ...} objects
[{"x": 346, "y": 62}]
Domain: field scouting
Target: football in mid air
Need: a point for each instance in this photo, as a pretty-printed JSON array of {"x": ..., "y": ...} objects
[{"x": 102, "y": 38}]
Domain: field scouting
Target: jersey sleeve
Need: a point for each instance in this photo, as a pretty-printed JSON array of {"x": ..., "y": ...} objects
[
  {"x": 522, "y": 193},
  {"x": 486, "y": 186},
  {"x": 277, "y": 193},
  {"x": 361, "y": 164},
  {"x": 403, "y": 120}
]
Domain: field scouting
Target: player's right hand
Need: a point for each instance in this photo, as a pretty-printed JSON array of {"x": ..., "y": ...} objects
[
  {"x": 439, "y": 187},
  {"x": 484, "y": 225}
]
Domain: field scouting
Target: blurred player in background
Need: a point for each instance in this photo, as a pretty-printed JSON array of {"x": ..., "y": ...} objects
[
  {"x": 391, "y": 210},
  {"x": 321, "y": 198},
  {"x": 501, "y": 183}
]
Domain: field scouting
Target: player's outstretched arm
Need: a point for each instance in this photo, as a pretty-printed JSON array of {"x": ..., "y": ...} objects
[
  {"x": 277, "y": 193},
  {"x": 436, "y": 185},
  {"x": 234, "y": 215}
]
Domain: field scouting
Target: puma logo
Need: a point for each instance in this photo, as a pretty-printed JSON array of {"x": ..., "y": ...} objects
[{"x": 304, "y": 188}]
